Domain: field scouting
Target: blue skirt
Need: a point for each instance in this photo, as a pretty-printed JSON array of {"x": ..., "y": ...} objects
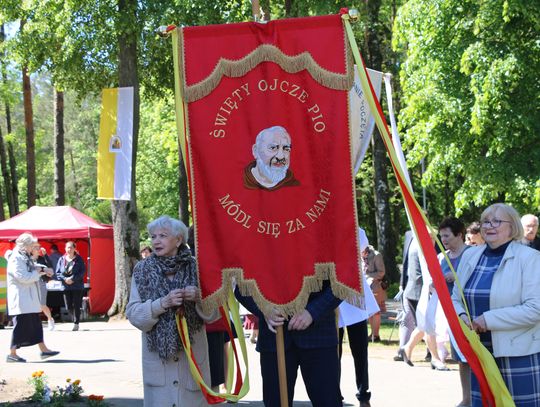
[{"x": 522, "y": 377}]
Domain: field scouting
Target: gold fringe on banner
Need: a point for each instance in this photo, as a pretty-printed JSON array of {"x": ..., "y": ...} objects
[
  {"x": 266, "y": 53},
  {"x": 311, "y": 284}
]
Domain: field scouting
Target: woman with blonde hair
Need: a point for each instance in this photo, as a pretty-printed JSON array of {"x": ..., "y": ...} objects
[
  {"x": 501, "y": 288},
  {"x": 24, "y": 297}
]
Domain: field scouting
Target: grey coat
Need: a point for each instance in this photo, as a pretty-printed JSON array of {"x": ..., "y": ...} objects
[
  {"x": 414, "y": 283},
  {"x": 168, "y": 384}
]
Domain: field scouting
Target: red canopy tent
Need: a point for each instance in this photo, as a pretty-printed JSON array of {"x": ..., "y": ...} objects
[{"x": 59, "y": 224}]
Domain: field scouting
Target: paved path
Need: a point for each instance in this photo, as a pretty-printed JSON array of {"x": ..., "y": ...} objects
[{"x": 106, "y": 357}]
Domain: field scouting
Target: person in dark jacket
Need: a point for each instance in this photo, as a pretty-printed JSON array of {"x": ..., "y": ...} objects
[
  {"x": 70, "y": 270},
  {"x": 310, "y": 339}
]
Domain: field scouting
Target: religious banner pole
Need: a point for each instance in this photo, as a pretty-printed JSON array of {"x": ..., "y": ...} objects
[{"x": 282, "y": 371}]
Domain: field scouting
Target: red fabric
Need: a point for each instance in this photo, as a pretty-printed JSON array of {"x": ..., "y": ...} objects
[
  {"x": 59, "y": 224},
  {"x": 251, "y": 322},
  {"x": 219, "y": 325},
  {"x": 323, "y": 37},
  {"x": 320, "y": 160},
  {"x": 53, "y": 222},
  {"x": 436, "y": 273}
]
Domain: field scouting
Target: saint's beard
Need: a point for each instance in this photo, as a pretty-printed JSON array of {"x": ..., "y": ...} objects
[{"x": 274, "y": 174}]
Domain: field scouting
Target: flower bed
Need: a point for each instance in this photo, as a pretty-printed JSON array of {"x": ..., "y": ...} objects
[{"x": 70, "y": 394}]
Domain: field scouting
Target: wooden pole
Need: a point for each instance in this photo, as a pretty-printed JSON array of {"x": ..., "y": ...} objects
[{"x": 282, "y": 372}]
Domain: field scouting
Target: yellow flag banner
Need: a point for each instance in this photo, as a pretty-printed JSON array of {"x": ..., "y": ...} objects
[{"x": 115, "y": 144}]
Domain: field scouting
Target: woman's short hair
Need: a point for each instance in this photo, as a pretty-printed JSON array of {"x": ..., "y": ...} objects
[
  {"x": 474, "y": 228},
  {"x": 25, "y": 239},
  {"x": 455, "y": 225},
  {"x": 146, "y": 248},
  {"x": 511, "y": 213},
  {"x": 175, "y": 226}
]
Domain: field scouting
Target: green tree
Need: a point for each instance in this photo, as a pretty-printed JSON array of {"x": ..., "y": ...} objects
[
  {"x": 157, "y": 161},
  {"x": 469, "y": 82}
]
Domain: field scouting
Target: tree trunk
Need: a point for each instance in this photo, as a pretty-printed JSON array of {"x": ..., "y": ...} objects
[
  {"x": 30, "y": 147},
  {"x": 12, "y": 198},
  {"x": 75, "y": 181},
  {"x": 385, "y": 236},
  {"x": 14, "y": 177},
  {"x": 124, "y": 213},
  {"x": 265, "y": 7},
  {"x": 183, "y": 210},
  {"x": 59, "y": 166},
  {"x": 3, "y": 160},
  {"x": 288, "y": 8},
  {"x": 5, "y": 176}
]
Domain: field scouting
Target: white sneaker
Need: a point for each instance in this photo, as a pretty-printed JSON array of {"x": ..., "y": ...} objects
[
  {"x": 50, "y": 324},
  {"x": 75, "y": 327}
]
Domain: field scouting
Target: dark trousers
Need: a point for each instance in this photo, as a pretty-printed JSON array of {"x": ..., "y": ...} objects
[
  {"x": 320, "y": 371},
  {"x": 73, "y": 301},
  {"x": 358, "y": 342}
]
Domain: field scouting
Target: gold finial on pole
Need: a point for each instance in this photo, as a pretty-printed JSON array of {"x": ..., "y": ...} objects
[{"x": 354, "y": 15}]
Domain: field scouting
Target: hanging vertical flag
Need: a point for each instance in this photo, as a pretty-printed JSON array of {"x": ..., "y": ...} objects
[
  {"x": 362, "y": 121},
  {"x": 395, "y": 135},
  {"x": 3, "y": 286},
  {"x": 115, "y": 144}
]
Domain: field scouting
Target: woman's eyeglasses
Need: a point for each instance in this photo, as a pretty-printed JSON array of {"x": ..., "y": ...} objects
[{"x": 494, "y": 223}]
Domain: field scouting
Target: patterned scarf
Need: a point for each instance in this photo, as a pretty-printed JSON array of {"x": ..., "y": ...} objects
[
  {"x": 152, "y": 283},
  {"x": 28, "y": 259}
]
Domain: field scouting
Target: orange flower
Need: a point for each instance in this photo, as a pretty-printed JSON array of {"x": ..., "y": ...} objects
[
  {"x": 38, "y": 373},
  {"x": 68, "y": 380},
  {"x": 76, "y": 382}
]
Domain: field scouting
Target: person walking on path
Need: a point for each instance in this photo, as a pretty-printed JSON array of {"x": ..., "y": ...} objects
[
  {"x": 411, "y": 281},
  {"x": 43, "y": 260},
  {"x": 23, "y": 298}
]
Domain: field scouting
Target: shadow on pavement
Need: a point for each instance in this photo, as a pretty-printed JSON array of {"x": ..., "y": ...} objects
[
  {"x": 123, "y": 402},
  {"x": 78, "y": 361}
]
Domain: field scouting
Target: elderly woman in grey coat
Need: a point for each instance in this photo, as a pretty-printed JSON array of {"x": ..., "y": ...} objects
[
  {"x": 162, "y": 283},
  {"x": 24, "y": 297}
]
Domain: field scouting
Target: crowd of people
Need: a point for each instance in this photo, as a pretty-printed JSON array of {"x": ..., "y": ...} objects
[
  {"x": 495, "y": 260},
  {"x": 502, "y": 308}
]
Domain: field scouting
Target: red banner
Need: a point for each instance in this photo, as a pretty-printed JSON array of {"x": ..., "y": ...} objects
[{"x": 269, "y": 153}]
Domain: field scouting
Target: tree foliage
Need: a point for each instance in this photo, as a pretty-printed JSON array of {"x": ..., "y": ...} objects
[
  {"x": 470, "y": 98},
  {"x": 157, "y": 183}
]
